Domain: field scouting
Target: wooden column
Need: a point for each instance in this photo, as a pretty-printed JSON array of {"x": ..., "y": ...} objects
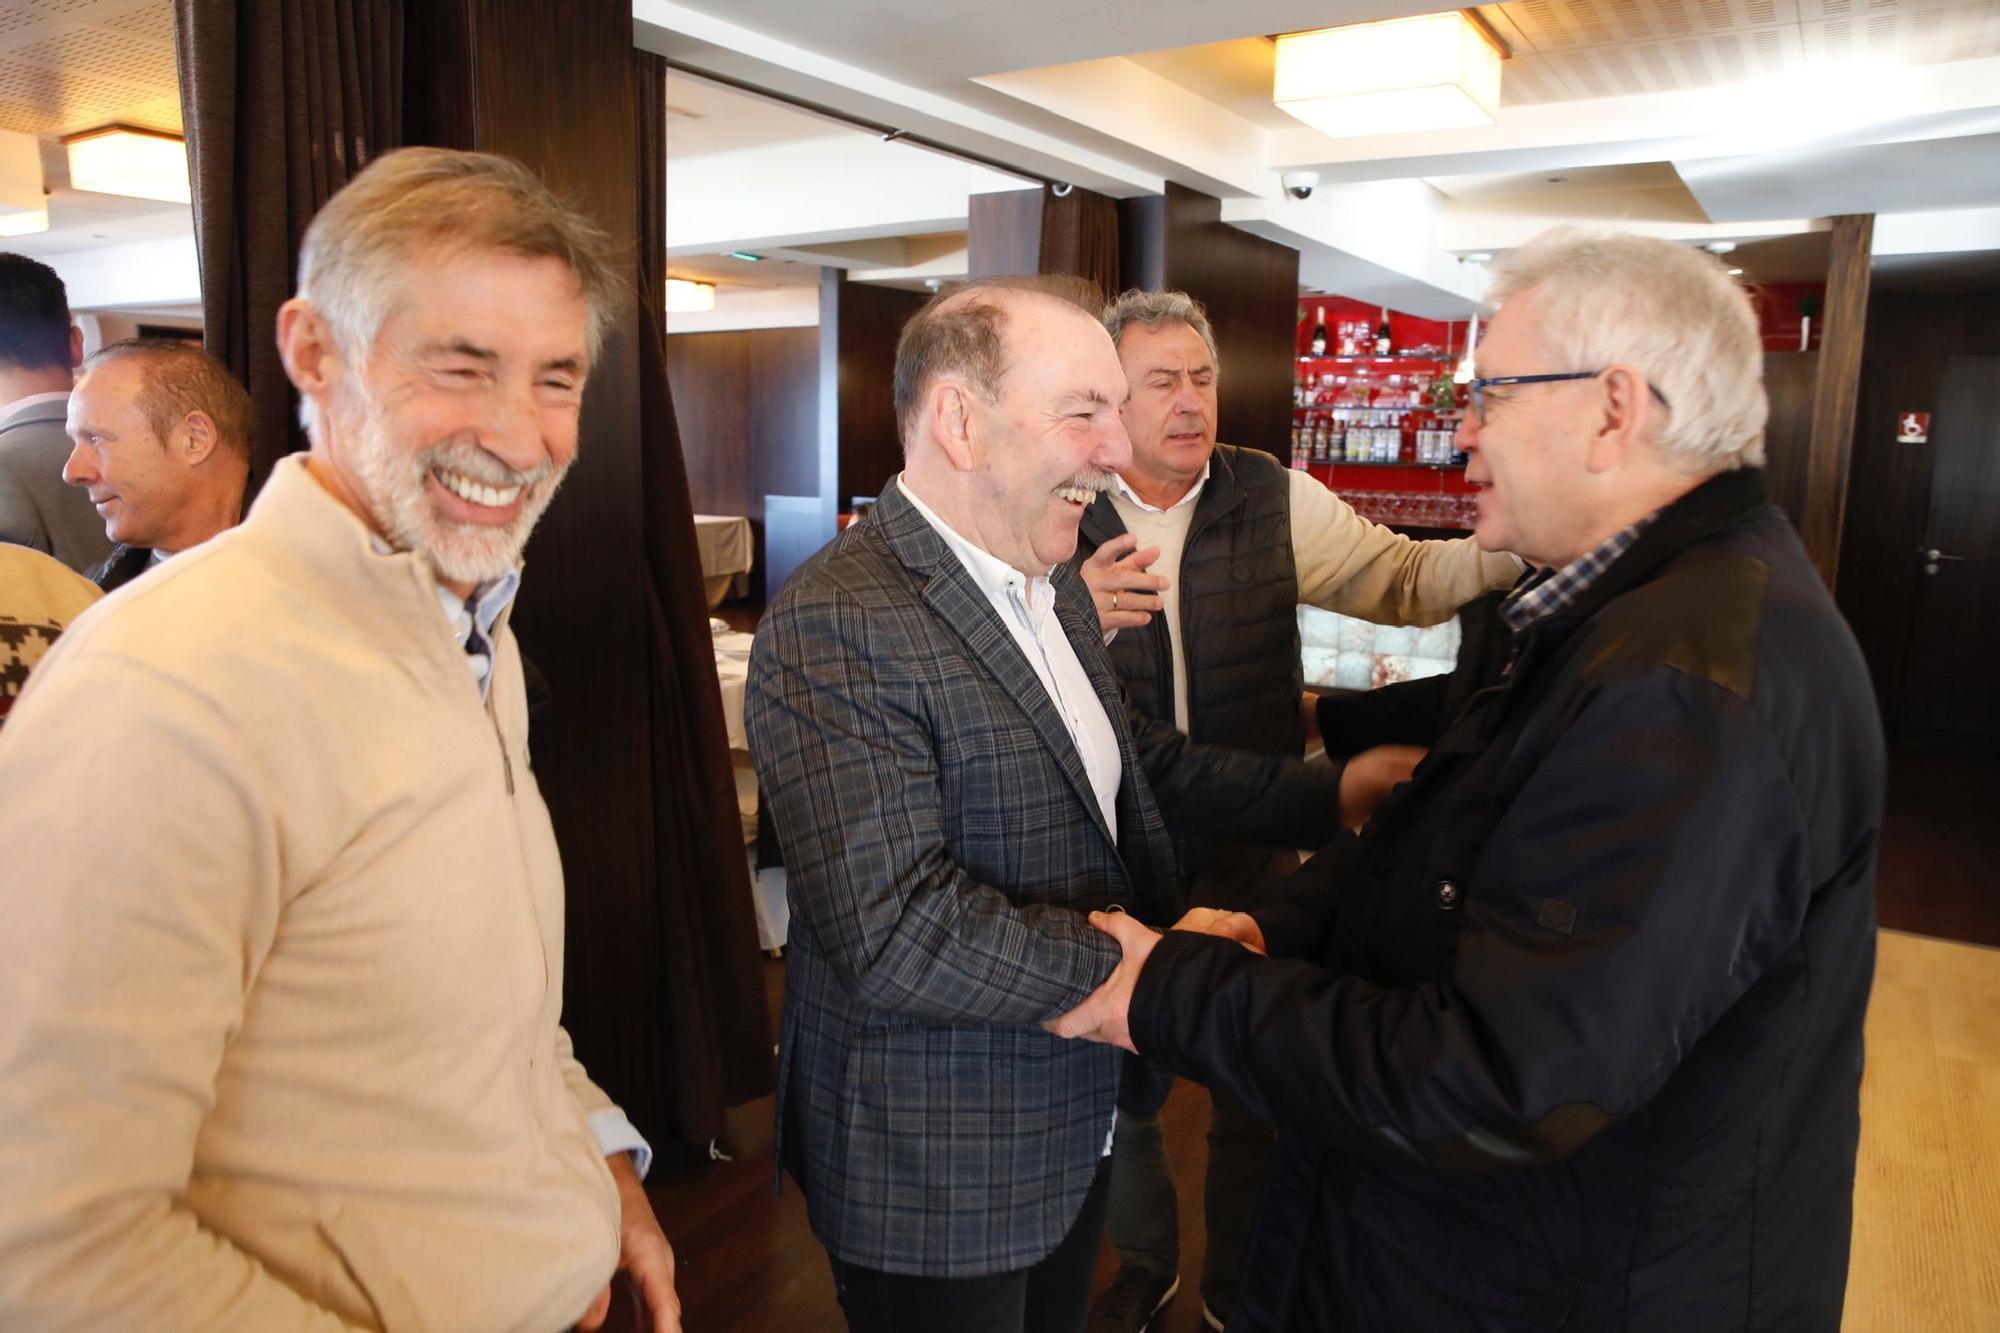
[
  {"x": 859, "y": 325},
  {"x": 1040, "y": 231},
  {"x": 1250, "y": 287},
  {"x": 1832, "y": 445}
]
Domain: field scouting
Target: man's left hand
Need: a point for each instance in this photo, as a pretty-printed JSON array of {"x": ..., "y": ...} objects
[
  {"x": 1102, "y": 1015},
  {"x": 643, "y": 1253}
]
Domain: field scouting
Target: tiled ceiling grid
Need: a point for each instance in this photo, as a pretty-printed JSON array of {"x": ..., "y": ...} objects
[
  {"x": 1566, "y": 50},
  {"x": 72, "y": 65}
]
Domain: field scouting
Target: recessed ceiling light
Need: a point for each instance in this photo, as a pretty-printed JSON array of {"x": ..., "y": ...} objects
[
  {"x": 1719, "y": 247},
  {"x": 140, "y": 164},
  {"x": 685, "y": 296},
  {"x": 745, "y": 256},
  {"x": 1425, "y": 72},
  {"x": 24, "y": 223}
]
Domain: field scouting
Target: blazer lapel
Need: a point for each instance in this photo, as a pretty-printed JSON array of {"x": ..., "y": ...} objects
[
  {"x": 1140, "y": 825},
  {"x": 957, "y": 601}
]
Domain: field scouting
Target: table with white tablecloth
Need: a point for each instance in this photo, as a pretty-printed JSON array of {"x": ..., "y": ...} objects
[
  {"x": 767, "y": 887},
  {"x": 727, "y": 552}
]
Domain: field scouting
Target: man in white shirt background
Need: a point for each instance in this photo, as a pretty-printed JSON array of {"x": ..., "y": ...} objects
[{"x": 1198, "y": 557}]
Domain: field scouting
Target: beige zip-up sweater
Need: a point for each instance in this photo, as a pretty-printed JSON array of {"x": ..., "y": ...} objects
[{"x": 281, "y": 946}]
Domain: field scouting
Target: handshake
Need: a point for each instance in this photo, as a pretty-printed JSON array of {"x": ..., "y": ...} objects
[{"x": 1102, "y": 1015}]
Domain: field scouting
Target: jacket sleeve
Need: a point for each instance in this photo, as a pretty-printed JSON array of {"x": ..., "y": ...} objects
[
  {"x": 140, "y": 892},
  {"x": 1359, "y": 568},
  {"x": 1228, "y": 795},
  {"x": 845, "y": 759},
  {"x": 1646, "y": 875}
]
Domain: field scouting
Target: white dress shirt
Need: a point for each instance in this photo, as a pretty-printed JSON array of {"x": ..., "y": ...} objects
[{"x": 1027, "y": 608}]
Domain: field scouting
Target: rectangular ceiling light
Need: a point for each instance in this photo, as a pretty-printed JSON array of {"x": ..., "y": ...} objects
[
  {"x": 1431, "y": 72},
  {"x": 686, "y": 297},
  {"x": 24, "y": 223},
  {"x": 142, "y": 164}
]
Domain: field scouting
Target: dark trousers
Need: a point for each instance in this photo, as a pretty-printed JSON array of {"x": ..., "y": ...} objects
[
  {"x": 1145, "y": 1216},
  {"x": 1047, "y": 1298}
]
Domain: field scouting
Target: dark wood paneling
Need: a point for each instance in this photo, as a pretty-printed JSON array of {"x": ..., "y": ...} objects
[
  {"x": 1250, "y": 287},
  {"x": 1039, "y": 231},
  {"x": 868, "y": 319},
  {"x": 1142, "y": 239},
  {"x": 1835, "y": 391},
  {"x": 1951, "y": 689},
  {"x": 1910, "y": 340},
  {"x": 1003, "y": 233},
  {"x": 1788, "y": 380},
  {"x": 747, "y": 402},
  {"x": 1080, "y": 237}
]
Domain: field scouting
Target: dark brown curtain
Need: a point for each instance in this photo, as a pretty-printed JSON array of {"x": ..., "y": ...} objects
[
  {"x": 715, "y": 991},
  {"x": 281, "y": 103}
]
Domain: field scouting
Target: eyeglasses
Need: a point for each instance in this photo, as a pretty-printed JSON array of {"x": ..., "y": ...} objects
[{"x": 1479, "y": 388}]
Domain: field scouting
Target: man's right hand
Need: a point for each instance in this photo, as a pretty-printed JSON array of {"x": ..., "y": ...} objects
[
  {"x": 1370, "y": 776},
  {"x": 1126, "y": 595}
]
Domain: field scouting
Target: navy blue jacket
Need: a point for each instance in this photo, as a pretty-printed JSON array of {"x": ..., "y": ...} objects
[{"x": 1574, "y": 1037}]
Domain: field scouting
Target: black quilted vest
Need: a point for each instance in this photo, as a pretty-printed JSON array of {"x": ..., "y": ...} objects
[{"x": 1239, "y": 598}]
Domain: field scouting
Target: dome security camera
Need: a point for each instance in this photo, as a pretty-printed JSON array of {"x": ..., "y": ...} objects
[{"x": 1299, "y": 184}]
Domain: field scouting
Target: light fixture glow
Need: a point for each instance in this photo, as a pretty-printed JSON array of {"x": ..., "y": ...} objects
[
  {"x": 24, "y": 223},
  {"x": 745, "y": 256},
  {"x": 686, "y": 297},
  {"x": 141, "y": 164},
  {"x": 1431, "y": 72}
]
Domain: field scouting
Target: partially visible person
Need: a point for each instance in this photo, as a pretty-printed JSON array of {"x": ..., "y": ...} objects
[
  {"x": 39, "y": 597},
  {"x": 1198, "y": 557},
  {"x": 281, "y": 980},
  {"x": 161, "y": 447},
  {"x": 39, "y": 350},
  {"x": 1572, "y": 1036}
]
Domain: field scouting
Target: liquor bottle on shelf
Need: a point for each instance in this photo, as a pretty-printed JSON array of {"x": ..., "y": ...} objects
[
  {"x": 1319, "y": 332},
  {"x": 1382, "y": 339}
]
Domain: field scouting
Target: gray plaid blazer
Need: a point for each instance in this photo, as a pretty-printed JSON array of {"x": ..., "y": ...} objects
[{"x": 942, "y": 843}]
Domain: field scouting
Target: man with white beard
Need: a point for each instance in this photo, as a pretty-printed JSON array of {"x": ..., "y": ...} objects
[{"x": 280, "y": 1041}]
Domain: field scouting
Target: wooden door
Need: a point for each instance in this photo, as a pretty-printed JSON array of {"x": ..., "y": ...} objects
[{"x": 1951, "y": 684}]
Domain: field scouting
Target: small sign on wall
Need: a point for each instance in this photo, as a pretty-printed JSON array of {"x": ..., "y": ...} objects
[{"x": 1913, "y": 428}]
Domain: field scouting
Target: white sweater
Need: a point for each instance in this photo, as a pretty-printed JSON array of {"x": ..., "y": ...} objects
[{"x": 282, "y": 969}]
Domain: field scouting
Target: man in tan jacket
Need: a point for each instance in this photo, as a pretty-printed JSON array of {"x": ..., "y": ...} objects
[{"x": 280, "y": 984}]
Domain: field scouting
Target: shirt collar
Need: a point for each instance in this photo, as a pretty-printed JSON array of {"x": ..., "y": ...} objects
[
  {"x": 1555, "y": 591},
  {"x": 1188, "y": 499},
  {"x": 488, "y": 600},
  {"x": 993, "y": 575}
]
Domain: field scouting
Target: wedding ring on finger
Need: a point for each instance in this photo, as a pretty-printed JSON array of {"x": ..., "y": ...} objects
[{"x": 1114, "y": 599}]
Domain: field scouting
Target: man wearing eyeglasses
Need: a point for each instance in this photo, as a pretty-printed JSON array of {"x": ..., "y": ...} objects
[{"x": 1571, "y": 1035}]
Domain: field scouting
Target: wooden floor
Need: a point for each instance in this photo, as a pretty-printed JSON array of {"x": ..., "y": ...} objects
[
  {"x": 1926, "y": 1255},
  {"x": 1927, "y": 1193}
]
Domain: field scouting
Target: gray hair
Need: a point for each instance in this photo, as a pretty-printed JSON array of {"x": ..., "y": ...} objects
[
  {"x": 1671, "y": 313},
  {"x": 1156, "y": 309},
  {"x": 417, "y": 205},
  {"x": 960, "y": 331}
]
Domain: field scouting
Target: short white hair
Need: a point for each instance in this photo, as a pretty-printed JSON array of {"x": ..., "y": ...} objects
[{"x": 1668, "y": 311}]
